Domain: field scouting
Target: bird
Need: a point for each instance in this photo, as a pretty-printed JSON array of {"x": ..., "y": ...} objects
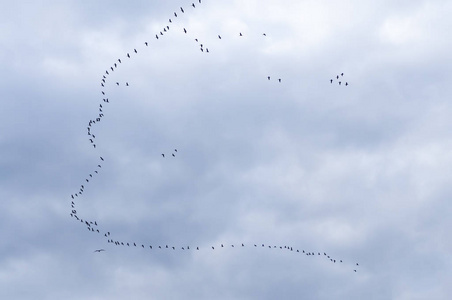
[
  {"x": 175, "y": 150},
  {"x": 128, "y": 55},
  {"x": 182, "y": 10},
  {"x": 342, "y": 74},
  {"x": 135, "y": 50},
  {"x": 163, "y": 155},
  {"x": 241, "y": 34},
  {"x": 339, "y": 83},
  {"x": 219, "y": 37},
  {"x": 156, "y": 36},
  {"x": 146, "y": 43},
  {"x": 127, "y": 84},
  {"x": 99, "y": 250},
  {"x": 279, "y": 79},
  {"x": 117, "y": 83},
  {"x": 331, "y": 80},
  {"x": 346, "y": 83},
  {"x": 173, "y": 155},
  {"x": 175, "y": 14},
  {"x": 268, "y": 77},
  {"x": 185, "y": 30},
  {"x": 337, "y": 77},
  {"x": 207, "y": 50},
  {"x": 264, "y": 34},
  {"x": 119, "y": 60},
  {"x": 170, "y": 21},
  {"x": 193, "y": 5}
]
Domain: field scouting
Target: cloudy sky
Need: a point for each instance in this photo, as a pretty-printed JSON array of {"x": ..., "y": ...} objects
[{"x": 359, "y": 172}]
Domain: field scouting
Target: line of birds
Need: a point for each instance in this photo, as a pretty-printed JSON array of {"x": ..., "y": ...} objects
[
  {"x": 339, "y": 81},
  {"x": 92, "y": 226}
]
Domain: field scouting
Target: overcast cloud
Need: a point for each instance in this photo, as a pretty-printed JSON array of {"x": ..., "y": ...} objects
[{"x": 360, "y": 172}]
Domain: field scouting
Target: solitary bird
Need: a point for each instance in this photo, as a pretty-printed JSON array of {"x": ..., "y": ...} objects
[
  {"x": 185, "y": 30},
  {"x": 146, "y": 43},
  {"x": 264, "y": 34},
  {"x": 241, "y": 34},
  {"x": 279, "y": 79},
  {"x": 193, "y": 5},
  {"x": 163, "y": 155},
  {"x": 268, "y": 77},
  {"x": 331, "y": 80},
  {"x": 128, "y": 55},
  {"x": 219, "y": 37},
  {"x": 135, "y": 50},
  {"x": 99, "y": 250}
]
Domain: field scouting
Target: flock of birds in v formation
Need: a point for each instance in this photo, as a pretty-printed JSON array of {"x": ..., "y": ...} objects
[{"x": 92, "y": 226}]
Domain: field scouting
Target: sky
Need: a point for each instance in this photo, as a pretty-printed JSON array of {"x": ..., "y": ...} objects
[{"x": 359, "y": 173}]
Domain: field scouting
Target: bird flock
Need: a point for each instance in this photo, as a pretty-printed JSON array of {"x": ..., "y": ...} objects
[{"x": 93, "y": 226}]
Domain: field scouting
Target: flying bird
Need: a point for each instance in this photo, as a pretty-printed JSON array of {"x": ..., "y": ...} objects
[
  {"x": 182, "y": 10},
  {"x": 135, "y": 50},
  {"x": 99, "y": 250}
]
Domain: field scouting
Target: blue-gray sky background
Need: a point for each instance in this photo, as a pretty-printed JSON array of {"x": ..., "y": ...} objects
[{"x": 361, "y": 172}]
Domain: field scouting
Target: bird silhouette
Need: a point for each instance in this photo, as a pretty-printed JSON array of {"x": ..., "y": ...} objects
[
  {"x": 99, "y": 250},
  {"x": 182, "y": 10}
]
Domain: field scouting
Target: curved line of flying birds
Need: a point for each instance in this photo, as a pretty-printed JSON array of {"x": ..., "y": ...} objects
[{"x": 93, "y": 226}]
